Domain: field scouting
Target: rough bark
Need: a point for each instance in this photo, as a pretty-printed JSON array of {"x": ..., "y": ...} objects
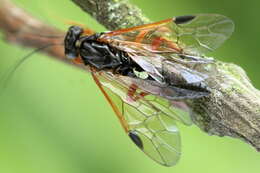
[{"x": 233, "y": 108}]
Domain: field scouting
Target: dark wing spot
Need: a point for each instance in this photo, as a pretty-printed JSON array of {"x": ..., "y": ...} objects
[
  {"x": 136, "y": 139},
  {"x": 183, "y": 19}
]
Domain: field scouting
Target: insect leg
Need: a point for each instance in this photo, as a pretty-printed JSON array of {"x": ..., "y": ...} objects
[{"x": 132, "y": 93}]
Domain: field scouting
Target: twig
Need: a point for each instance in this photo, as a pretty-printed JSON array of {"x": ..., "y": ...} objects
[
  {"x": 21, "y": 28},
  {"x": 233, "y": 108}
]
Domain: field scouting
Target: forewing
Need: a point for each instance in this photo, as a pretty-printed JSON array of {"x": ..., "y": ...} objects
[
  {"x": 149, "y": 120},
  {"x": 178, "y": 74},
  {"x": 204, "y": 33},
  {"x": 194, "y": 35},
  {"x": 162, "y": 68}
]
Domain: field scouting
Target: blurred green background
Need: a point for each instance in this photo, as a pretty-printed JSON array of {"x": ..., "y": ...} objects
[{"x": 55, "y": 120}]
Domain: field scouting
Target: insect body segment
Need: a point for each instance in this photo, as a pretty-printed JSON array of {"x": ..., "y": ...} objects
[
  {"x": 98, "y": 54},
  {"x": 147, "y": 72},
  {"x": 70, "y": 41}
]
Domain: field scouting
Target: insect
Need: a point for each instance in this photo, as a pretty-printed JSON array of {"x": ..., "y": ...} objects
[{"x": 146, "y": 73}]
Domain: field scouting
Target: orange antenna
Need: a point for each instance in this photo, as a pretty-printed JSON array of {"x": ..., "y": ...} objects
[{"x": 87, "y": 31}]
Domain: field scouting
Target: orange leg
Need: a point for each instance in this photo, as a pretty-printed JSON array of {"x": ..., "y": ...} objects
[
  {"x": 78, "y": 60},
  {"x": 112, "y": 104},
  {"x": 133, "y": 95}
]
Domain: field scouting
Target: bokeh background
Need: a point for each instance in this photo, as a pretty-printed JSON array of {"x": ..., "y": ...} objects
[{"x": 53, "y": 119}]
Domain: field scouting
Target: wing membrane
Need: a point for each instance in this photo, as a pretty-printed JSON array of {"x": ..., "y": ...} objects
[
  {"x": 177, "y": 42},
  {"x": 166, "y": 67},
  {"x": 204, "y": 33},
  {"x": 149, "y": 120},
  {"x": 148, "y": 109},
  {"x": 194, "y": 35}
]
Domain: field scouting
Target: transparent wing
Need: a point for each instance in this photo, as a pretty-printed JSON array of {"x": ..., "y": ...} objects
[
  {"x": 204, "y": 33},
  {"x": 168, "y": 68},
  {"x": 149, "y": 120},
  {"x": 193, "y": 35}
]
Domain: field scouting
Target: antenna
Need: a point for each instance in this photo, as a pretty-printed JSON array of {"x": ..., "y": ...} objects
[{"x": 8, "y": 75}]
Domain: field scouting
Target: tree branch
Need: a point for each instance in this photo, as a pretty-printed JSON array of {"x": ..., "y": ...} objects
[
  {"x": 233, "y": 108},
  {"x": 113, "y": 14},
  {"x": 20, "y": 28}
]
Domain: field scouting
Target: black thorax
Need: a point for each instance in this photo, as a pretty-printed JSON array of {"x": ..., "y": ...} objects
[
  {"x": 102, "y": 56},
  {"x": 98, "y": 54}
]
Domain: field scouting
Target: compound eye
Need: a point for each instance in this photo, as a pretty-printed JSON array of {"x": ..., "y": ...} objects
[{"x": 71, "y": 38}]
